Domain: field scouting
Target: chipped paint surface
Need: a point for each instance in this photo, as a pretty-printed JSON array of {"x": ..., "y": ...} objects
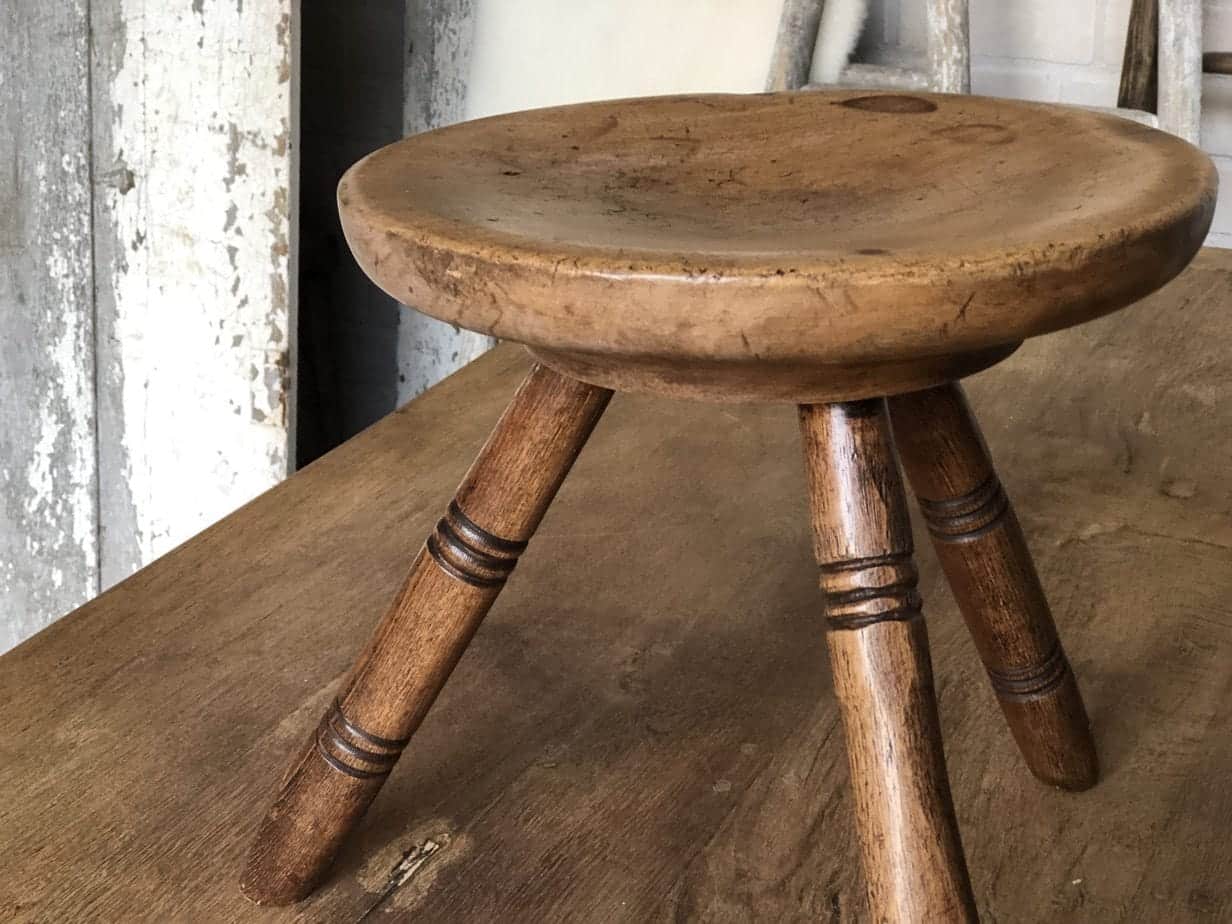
[
  {"x": 194, "y": 136},
  {"x": 48, "y": 522}
]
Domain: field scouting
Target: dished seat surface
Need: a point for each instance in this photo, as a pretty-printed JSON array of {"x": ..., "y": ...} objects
[{"x": 827, "y": 227}]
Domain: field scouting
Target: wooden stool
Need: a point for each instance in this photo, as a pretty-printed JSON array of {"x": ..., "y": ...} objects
[{"x": 827, "y": 249}]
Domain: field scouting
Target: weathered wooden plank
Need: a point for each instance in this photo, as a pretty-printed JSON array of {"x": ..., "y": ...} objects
[
  {"x": 1139, "y": 88},
  {"x": 1180, "y": 68},
  {"x": 48, "y": 508},
  {"x": 792, "y": 56},
  {"x": 947, "y": 68},
  {"x": 949, "y": 45},
  {"x": 439, "y": 39},
  {"x": 1217, "y": 62},
  {"x": 1141, "y": 116},
  {"x": 194, "y": 198}
]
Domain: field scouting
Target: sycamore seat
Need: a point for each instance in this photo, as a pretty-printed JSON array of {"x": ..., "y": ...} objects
[{"x": 800, "y": 246}]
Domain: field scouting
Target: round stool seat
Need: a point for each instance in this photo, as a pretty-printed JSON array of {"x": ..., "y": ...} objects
[{"x": 798, "y": 246}]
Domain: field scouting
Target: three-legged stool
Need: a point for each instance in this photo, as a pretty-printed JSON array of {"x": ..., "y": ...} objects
[{"x": 853, "y": 254}]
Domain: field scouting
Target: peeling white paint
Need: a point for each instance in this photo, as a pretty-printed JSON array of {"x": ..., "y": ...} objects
[
  {"x": 144, "y": 401},
  {"x": 198, "y": 202},
  {"x": 59, "y": 475},
  {"x": 48, "y": 514}
]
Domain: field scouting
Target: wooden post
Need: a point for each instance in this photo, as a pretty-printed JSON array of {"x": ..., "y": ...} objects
[
  {"x": 452, "y": 583},
  {"x": 1180, "y": 68},
  {"x": 949, "y": 45},
  {"x": 793, "y": 45},
  {"x": 1139, "y": 68},
  {"x": 913, "y": 859},
  {"x": 982, "y": 549}
]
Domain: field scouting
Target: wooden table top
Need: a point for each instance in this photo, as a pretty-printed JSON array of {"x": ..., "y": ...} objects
[
  {"x": 644, "y": 729},
  {"x": 830, "y": 227}
]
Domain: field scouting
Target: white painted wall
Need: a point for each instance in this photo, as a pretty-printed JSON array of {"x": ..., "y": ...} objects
[
  {"x": 547, "y": 52},
  {"x": 440, "y": 42}
]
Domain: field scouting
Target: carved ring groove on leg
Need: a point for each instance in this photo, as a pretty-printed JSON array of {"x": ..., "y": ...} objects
[
  {"x": 968, "y": 516},
  {"x": 468, "y": 552},
  {"x": 861, "y": 592},
  {"x": 1034, "y": 680},
  {"x": 351, "y": 750},
  {"x": 984, "y": 553},
  {"x": 878, "y": 643}
]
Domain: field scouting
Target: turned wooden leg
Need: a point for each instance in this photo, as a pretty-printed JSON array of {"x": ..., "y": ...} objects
[
  {"x": 985, "y": 557},
  {"x": 451, "y": 585},
  {"x": 913, "y": 859}
]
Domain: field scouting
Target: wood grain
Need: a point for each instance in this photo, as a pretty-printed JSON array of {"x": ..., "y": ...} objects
[
  {"x": 452, "y": 584},
  {"x": 641, "y": 729},
  {"x": 979, "y": 541},
  {"x": 913, "y": 859},
  {"x": 779, "y": 228},
  {"x": 1139, "y": 87},
  {"x": 1217, "y": 62}
]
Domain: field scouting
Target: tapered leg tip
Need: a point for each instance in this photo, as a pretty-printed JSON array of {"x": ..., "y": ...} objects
[
  {"x": 262, "y": 887},
  {"x": 1054, "y": 734},
  {"x": 294, "y": 849},
  {"x": 1075, "y": 776},
  {"x": 272, "y": 876},
  {"x": 1065, "y": 759}
]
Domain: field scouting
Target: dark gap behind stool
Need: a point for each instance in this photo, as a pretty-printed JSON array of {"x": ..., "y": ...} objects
[{"x": 351, "y": 64}]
